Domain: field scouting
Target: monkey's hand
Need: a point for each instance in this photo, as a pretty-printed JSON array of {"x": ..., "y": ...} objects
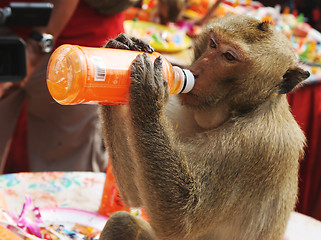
[
  {"x": 122, "y": 41},
  {"x": 148, "y": 90}
]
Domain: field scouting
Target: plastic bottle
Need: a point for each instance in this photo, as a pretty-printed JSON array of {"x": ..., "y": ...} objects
[
  {"x": 78, "y": 74},
  {"x": 110, "y": 200}
]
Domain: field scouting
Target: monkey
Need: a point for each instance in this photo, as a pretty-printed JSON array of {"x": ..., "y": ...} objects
[
  {"x": 170, "y": 10},
  {"x": 220, "y": 162}
]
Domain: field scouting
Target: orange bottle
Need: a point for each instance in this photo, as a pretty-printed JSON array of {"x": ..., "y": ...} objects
[
  {"x": 78, "y": 74},
  {"x": 110, "y": 201}
]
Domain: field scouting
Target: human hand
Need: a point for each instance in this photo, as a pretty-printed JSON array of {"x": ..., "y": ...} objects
[
  {"x": 6, "y": 88},
  {"x": 33, "y": 56}
]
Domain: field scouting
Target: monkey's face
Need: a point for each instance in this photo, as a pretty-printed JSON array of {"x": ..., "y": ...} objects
[
  {"x": 216, "y": 71},
  {"x": 240, "y": 61}
]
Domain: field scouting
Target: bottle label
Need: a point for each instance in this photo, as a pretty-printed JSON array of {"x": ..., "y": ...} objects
[{"x": 100, "y": 69}]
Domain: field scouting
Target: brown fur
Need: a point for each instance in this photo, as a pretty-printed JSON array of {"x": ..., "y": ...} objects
[{"x": 220, "y": 162}]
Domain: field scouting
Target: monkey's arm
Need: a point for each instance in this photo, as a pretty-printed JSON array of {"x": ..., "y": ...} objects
[
  {"x": 115, "y": 132},
  {"x": 114, "y": 124},
  {"x": 166, "y": 184}
]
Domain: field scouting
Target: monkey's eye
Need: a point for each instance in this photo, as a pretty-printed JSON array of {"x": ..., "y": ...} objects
[
  {"x": 213, "y": 43},
  {"x": 229, "y": 57}
]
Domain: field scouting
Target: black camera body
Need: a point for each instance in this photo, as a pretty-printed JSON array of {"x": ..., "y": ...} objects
[
  {"x": 12, "y": 59},
  {"x": 12, "y": 48}
]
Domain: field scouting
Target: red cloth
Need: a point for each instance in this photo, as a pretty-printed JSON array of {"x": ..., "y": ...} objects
[
  {"x": 17, "y": 159},
  {"x": 306, "y": 108},
  {"x": 86, "y": 27}
]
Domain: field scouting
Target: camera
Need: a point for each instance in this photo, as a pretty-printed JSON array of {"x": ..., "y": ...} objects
[{"x": 12, "y": 48}]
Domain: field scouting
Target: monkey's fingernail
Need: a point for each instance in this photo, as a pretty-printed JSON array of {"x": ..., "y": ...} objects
[{"x": 151, "y": 49}]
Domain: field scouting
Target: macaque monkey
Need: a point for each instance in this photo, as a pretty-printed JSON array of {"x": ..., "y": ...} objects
[
  {"x": 170, "y": 10},
  {"x": 220, "y": 162}
]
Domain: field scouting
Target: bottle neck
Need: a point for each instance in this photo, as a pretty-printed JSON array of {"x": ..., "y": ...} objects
[{"x": 183, "y": 81}]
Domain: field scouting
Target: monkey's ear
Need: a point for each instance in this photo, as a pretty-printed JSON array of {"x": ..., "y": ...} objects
[
  {"x": 291, "y": 78},
  {"x": 264, "y": 26}
]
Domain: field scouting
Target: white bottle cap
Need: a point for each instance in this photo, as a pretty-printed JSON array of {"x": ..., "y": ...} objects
[
  {"x": 189, "y": 81},
  {"x": 184, "y": 78}
]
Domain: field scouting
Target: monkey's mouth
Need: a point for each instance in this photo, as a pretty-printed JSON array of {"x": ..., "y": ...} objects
[
  {"x": 190, "y": 98},
  {"x": 195, "y": 75},
  {"x": 192, "y": 95},
  {"x": 193, "y": 89}
]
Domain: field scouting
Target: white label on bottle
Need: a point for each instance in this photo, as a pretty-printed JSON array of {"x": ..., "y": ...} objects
[{"x": 100, "y": 69}]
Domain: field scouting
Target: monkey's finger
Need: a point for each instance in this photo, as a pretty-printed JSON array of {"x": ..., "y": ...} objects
[
  {"x": 141, "y": 71},
  {"x": 142, "y": 45},
  {"x": 148, "y": 69},
  {"x": 116, "y": 44},
  {"x": 138, "y": 68},
  {"x": 158, "y": 65},
  {"x": 158, "y": 74},
  {"x": 123, "y": 38}
]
